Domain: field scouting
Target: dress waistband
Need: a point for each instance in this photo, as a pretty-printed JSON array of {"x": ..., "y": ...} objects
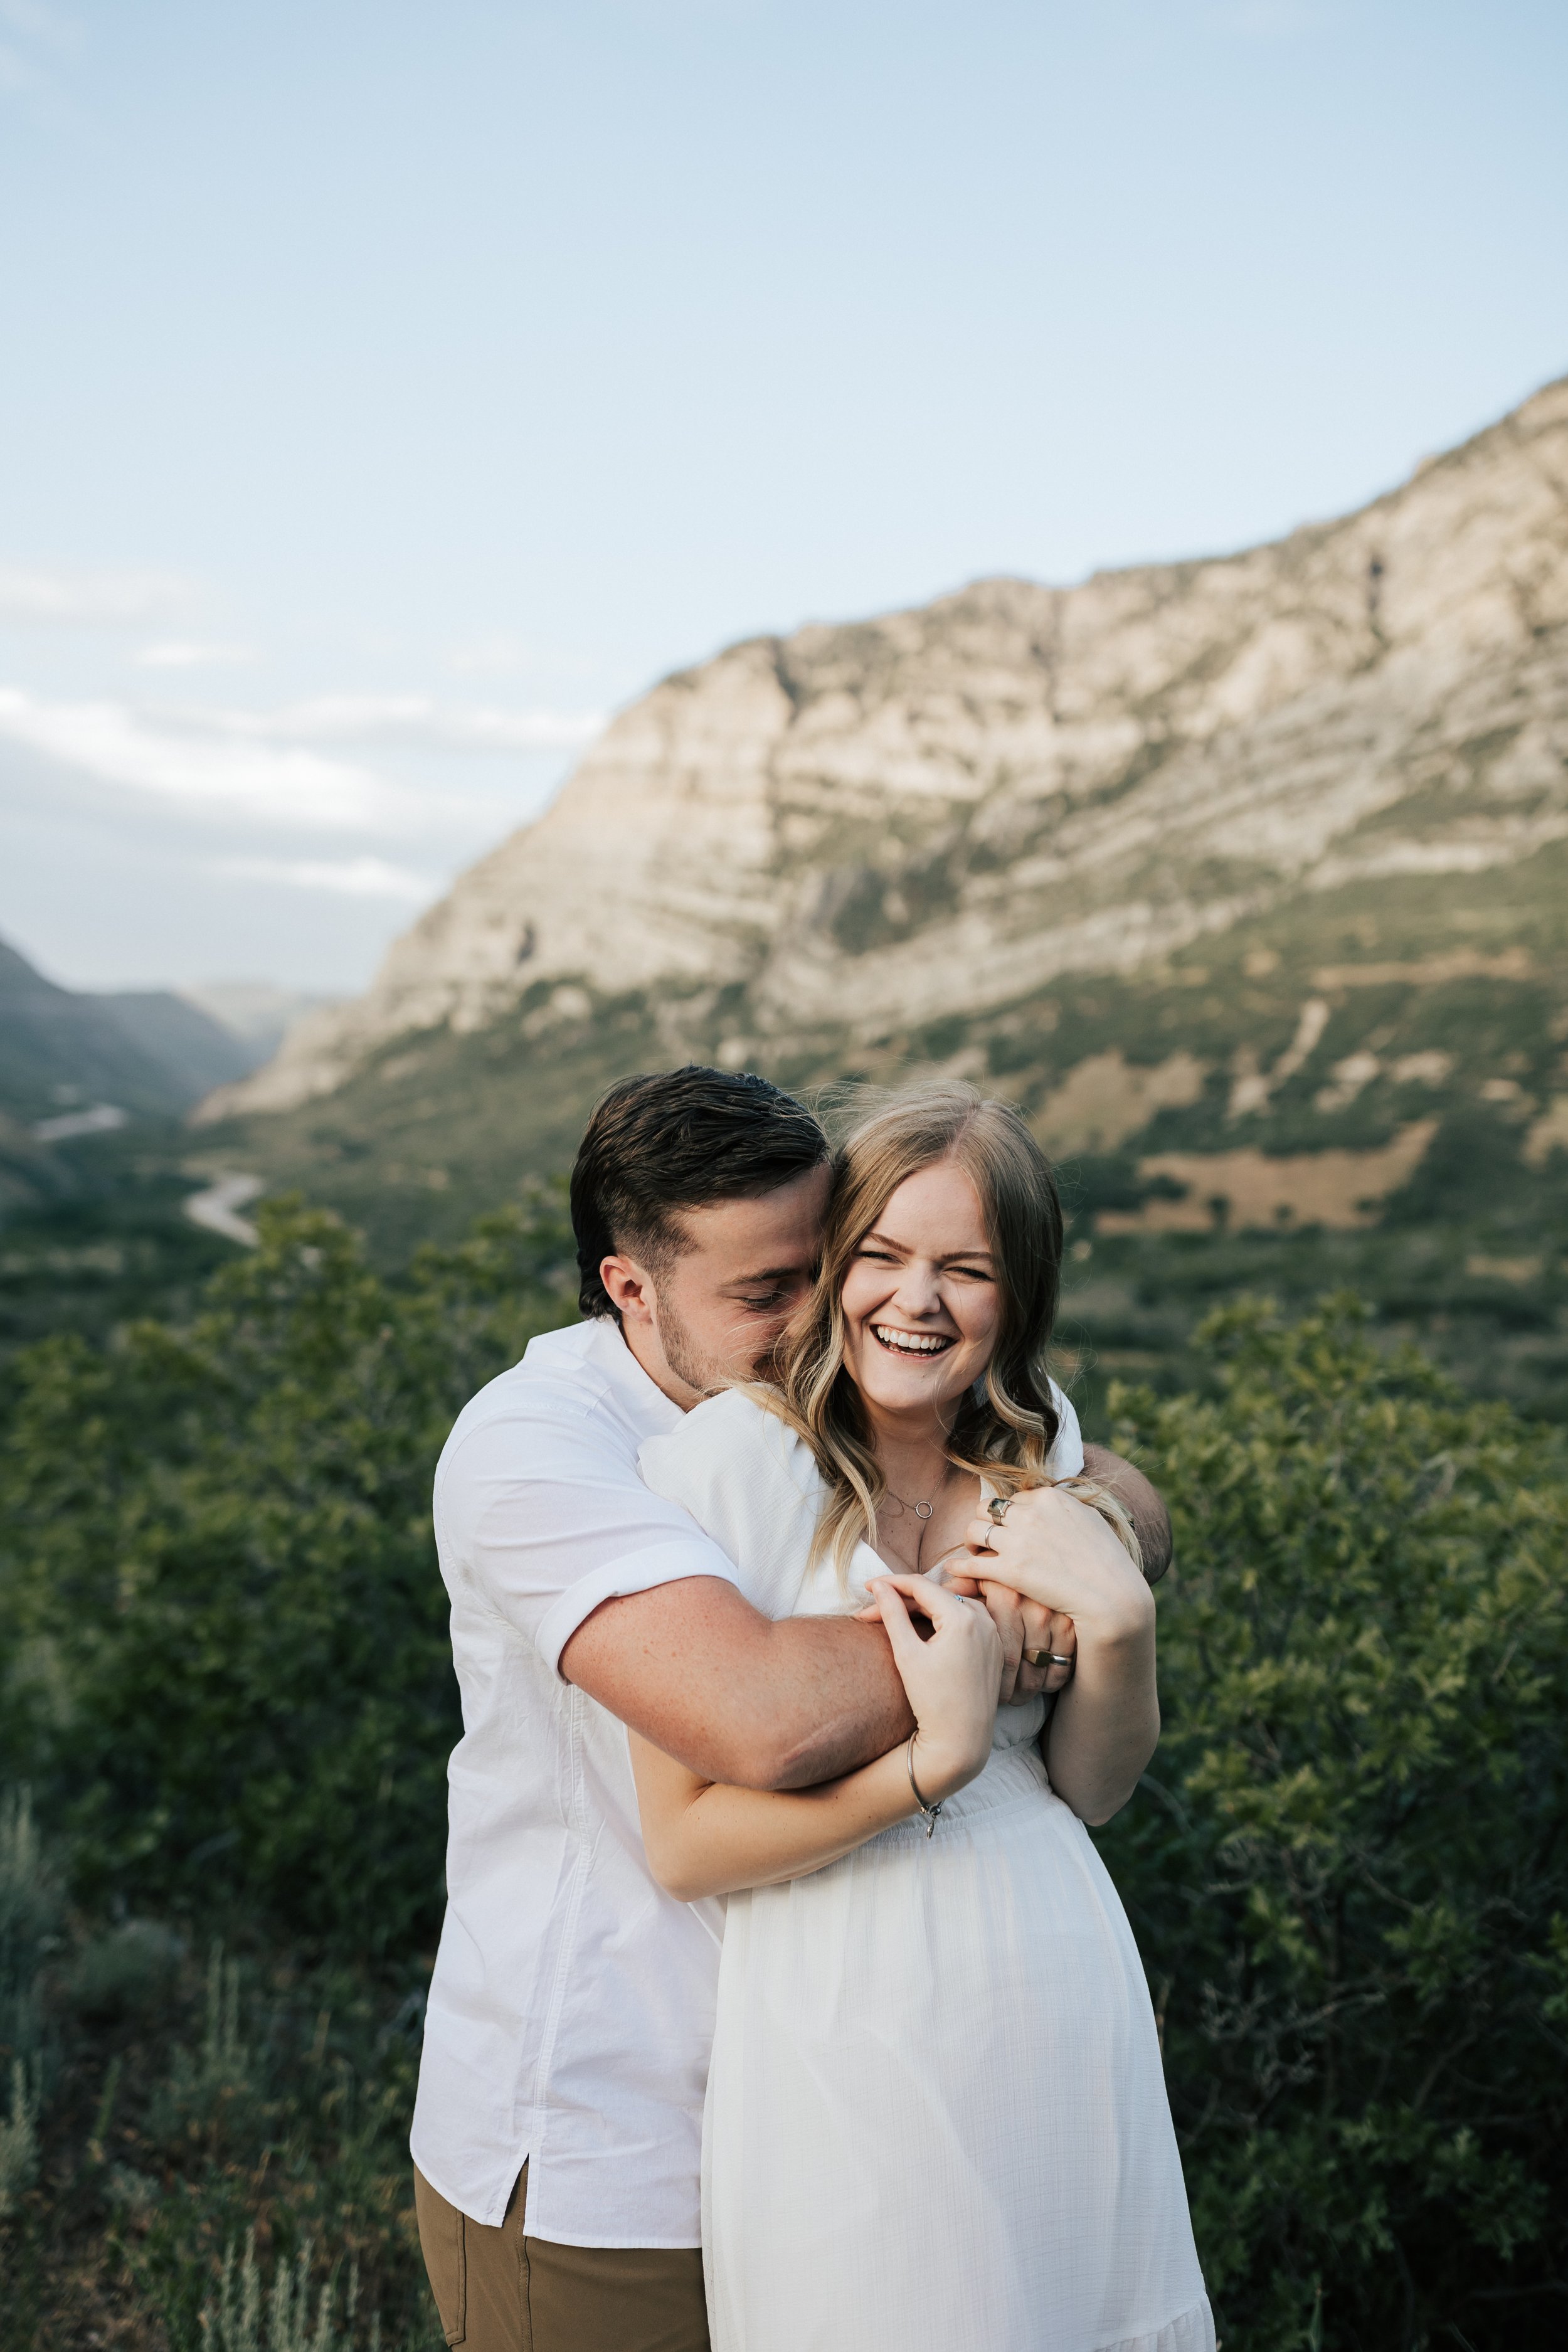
[{"x": 1013, "y": 1776}]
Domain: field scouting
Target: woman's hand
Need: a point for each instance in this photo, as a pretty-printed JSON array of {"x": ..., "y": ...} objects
[
  {"x": 953, "y": 1678},
  {"x": 1058, "y": 1552},
  {"x": 1027, "y": 1631}
]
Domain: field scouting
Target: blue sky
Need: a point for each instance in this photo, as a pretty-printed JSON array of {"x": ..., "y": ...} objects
[{"x": 388, "y": 391}]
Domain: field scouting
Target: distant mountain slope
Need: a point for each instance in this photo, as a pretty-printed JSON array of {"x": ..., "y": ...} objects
[
  {"x": 256, "y": 1011},
  {"x": 938, "y": 813},
  {"x": 57, "y": 1048},
  {"x": 194, "y": 1051},
  {"x": 147, "y": 1053}
]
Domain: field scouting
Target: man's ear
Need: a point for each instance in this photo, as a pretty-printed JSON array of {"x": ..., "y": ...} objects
[{"x": 629, "y": 1287}]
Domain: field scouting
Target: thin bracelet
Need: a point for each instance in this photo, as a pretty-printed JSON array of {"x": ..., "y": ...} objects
[{"x": 928, "y": 1812}]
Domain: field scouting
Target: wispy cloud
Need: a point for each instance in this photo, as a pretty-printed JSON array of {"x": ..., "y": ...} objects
[
  {"x": 497, "y": 656},
  {"x": 280, "y": 784},
  {"x": 32, "y": 36},
  {"x": 61, "y": 599},
  {"x": 35, "y": 21},
  {"x": 185, "y": 652},
  {"x": 410, "y": 718},
  {"x": 290, "y": 770},
  {"x": 351, "y": 878},
  {"x": 502, "y": 655}
]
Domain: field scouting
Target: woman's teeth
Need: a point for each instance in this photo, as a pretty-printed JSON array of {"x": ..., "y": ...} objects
[{"x": 911, "y": 1343}]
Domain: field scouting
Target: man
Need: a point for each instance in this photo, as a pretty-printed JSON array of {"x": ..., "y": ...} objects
[{"x": 557, "y": 2133}]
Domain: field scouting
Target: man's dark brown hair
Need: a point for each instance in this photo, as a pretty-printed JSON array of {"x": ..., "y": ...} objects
[{"x": 676, "y": 1139}]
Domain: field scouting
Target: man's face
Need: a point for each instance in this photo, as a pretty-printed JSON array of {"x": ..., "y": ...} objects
[{"x": 714, "y": 1312}]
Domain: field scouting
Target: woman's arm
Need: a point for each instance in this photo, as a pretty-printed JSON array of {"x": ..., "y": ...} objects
[
  {"x": 1059, "y": 1553},
  {"x": 702, "y": 1837},
  {"x": 1105, "y": 1725}
]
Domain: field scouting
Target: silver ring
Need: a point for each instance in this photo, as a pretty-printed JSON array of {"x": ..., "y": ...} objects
[
  {"x": 1040, "y": 1659},
  {"x": 999, "y": 1504},
  {"x": 1056, "y": 1659}
]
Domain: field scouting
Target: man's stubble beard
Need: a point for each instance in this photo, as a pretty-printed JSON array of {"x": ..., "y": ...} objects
[{"x": 705, "y": 1374}]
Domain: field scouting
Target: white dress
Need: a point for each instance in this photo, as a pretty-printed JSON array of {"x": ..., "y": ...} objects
[{"x": 936, "y": 2116}]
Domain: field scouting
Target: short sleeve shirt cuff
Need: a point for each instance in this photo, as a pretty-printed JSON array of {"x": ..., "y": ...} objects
[{"x": 640, "y": 1571}]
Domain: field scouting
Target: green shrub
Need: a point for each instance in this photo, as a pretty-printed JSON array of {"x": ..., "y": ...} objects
[
  {"x": 125, "y": 1971},
  {"x": 226, "y": 1670},
  {"x": 222, "y": 1631},
  {"x": 1348, "y": 1873}
]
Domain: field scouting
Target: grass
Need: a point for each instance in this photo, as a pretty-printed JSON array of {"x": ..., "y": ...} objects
[{"x": 220, "y": 2159}]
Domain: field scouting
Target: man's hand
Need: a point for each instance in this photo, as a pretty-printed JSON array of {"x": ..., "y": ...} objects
[
  {"x": 1140, "y": 1500},
  {"x": 1023, "y": 1627}
]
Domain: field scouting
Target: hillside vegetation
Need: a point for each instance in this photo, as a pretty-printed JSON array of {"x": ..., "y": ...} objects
[{"x": 1370, "y": 1087}]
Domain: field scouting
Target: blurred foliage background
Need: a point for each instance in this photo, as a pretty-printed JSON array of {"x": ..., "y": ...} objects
[{"x": 227, "y": 1704}]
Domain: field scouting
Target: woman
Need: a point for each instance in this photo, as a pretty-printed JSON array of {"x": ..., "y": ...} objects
[{"x": 936, "y": 2115}]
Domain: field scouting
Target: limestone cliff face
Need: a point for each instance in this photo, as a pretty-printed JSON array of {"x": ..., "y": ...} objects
[{"x": 938, "y": 811}]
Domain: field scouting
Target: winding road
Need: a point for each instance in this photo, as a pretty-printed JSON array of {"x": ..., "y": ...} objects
[{"x": 217, "y": 1208}]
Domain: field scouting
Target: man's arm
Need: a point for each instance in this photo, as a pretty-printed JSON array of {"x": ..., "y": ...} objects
[
  {"x": 1140, "y": 1500},
  {"x": 700, "y": 1674}
]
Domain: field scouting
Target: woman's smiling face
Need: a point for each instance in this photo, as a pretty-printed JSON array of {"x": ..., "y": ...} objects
[{"x": 921, "y": 1301}]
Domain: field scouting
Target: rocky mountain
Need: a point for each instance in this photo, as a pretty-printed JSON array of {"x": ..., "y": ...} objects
[
  {"x": 1247, "y": 877},
  {"x": 939, "y": 811}
]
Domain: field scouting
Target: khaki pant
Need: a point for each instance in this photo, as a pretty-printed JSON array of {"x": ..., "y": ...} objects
[{"x": 499, "y": 2289}]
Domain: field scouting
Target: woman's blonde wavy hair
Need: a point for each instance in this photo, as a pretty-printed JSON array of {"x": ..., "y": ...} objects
[{"x": 1005, "y": 1427}]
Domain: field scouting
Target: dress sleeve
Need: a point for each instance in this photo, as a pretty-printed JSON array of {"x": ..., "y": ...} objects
[
  {"x": 548, "y": 1524},
  {"x": 750, "y": 1484},
  {"x": 1065, "y": 1457}
]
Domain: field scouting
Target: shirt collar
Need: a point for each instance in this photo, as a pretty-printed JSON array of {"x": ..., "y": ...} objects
[{"x": 643, "y": 1397}]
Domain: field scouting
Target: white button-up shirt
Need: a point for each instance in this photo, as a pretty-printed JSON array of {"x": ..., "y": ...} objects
[{"x": 571, "y": 2013}]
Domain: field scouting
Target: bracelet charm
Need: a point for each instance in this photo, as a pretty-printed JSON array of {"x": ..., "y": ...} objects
[{"x": 928, "y": 1812}]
